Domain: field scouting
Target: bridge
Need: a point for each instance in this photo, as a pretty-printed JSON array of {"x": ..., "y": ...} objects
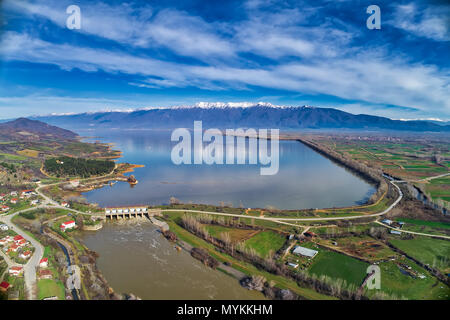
[{"x": 124, "y": 212}]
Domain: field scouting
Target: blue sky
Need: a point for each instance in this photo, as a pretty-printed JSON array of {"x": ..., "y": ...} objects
[{"x": 163, "y": 53}]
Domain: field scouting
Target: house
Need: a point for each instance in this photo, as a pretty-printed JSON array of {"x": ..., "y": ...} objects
[
  {"x": 291, "y": 236},
  {"x": 15, "y": 271},
  {"x": 67, "y": 225},
  {"x": 387, "y": 221},
  {"x": 310, "y": 253},
  {"x": 26, "y": 193},
  {"x": 5, "y": 208},
  {"x": 45, "y": 274},
  {"x": 64, "y": 204},
  {"x": 43, "y": 263},
  {"x": 17, "y": 238},
  {"x": 13, "y": 200},
  {"x": 3, "y": 242},
  {"x": 13, "y": 248},
  {"x": 34, "y": 202},
  {"x": 13, "y": 193},
  {"x": 293, "y": 265},
  {"x": 25, "y": 255},
  {"x": 395, "y": 232},
  {"x": 22, "y": 243},
  {"x": 4, "y": 227},
  {"x": 310, "y": 234},
  {"x": 2, "y": 196},
  {"x": 4, "y": 286}
]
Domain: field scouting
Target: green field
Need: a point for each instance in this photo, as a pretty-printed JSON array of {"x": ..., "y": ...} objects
[
  {"x": 394, "y": 282},
  {"x": 432, "y": 224},
  {"x": 434, "y": 252},
  {"x": 266, "y": 241},
  {"x": 339, "y": 266},
  {"x": 50, "y": 288}
]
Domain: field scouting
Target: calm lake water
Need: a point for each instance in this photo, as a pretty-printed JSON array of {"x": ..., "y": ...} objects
[
  {"x": 305, "y": 178},
  {"x": 135, "y": 258}
]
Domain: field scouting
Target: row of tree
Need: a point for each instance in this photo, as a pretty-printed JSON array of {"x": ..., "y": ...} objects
[{"x": 79, "y": 167}]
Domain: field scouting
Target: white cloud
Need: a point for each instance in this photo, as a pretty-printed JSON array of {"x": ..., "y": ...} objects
[{"x": 431, "y": 22}]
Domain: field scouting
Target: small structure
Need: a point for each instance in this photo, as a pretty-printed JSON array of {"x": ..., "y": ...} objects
[
  {"x": 25, "y": 255},
  {"x": 14, "y": 200},
  {"x": 13, "y": 193},
  {"x": 395, "y": 232},
  {"x": 18, "y": 238},
  {"x": 310, "y": 234},
  {"x": 387, "y": 221},
  {"x": 291, "y": 236},
  {"x": 15, "y": 271},
  {"x": 293, "y": 265},
  {"x": 65, "y": 204},
  {"x": 4, "y": 227},
  {"x": 45, "y": 274},
  {"x": 43, "y": 263},
  {"x": 310, "y": 253},
  {"x": 34, "y": 202},
  {"x": 4, "y": 286},
  {"x": 5, "y": 208},
  {"x": 26, "y": 193},
  {"x": 67, "y": 225}
]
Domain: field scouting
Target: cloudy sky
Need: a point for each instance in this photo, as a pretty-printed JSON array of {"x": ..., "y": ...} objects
[{"x": 162, "y": 53}]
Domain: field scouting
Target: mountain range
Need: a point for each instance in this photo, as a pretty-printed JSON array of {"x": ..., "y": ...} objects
[
  {"x": 261, "y": 115},
  {"x": 25, "y": 129}
]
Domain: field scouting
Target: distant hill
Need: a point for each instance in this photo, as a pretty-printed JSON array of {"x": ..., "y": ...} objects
[
  {"x": 26, "y": 129},
  {"x": 250, "y": 116}
]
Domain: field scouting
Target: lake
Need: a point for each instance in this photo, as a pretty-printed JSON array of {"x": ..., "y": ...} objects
[
  {"x": 305, "y": 178},
  {"x": 135, "y": 258}
]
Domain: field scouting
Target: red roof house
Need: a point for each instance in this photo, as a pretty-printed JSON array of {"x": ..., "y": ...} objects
[{"x": 4, "y": 286}]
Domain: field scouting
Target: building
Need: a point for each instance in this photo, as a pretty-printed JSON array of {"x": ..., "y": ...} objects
[
  {"x": 387, "y": 221},
  {"x": 45, "y": 274},
  {"x": 4, "y": 286},
  {"x": 13, "y": 248},
  {"x": 4, "y": 227},
  {"x": 15, "y": 271},
  {"x": 26, "y": 193},
  {"x": 310, "y": 253},
  {"x": 293, "y": 265},
  {"x": 34, "y": 202},
  {"x": 25, "y": 255},
  {"x": 43, "y": 263},
  {"x": 64, "y": 204},
  {"x": 67, "y": 225},
  {"x": 18, "y": 238},
  {"x": 395, "y": 232},
  {"x": 5, "y": 208},
  {"x": 14, "y": 200},
  {"x": 13, "y": 193}
]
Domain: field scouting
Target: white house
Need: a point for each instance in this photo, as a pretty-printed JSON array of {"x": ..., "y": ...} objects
[
  {"x": 67, "y": 225},
  {"x": 25, "y": 255},
  {"x": 15, "y": 271},
  {"x": 43, "y": 263},
  {"x": 4, "y": 227}
]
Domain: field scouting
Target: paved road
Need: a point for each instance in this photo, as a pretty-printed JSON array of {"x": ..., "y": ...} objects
[
  {"x": 412, "y": 232},
  {"x": 32, "y": 264}
]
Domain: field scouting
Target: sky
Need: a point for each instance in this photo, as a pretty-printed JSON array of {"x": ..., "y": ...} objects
[{"x": 139, "y": 54}]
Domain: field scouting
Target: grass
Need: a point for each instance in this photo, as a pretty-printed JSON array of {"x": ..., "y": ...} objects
[
  {"x": 339, "y": 266},
  {"x": 441, "y": 225},
  {"x": 50, "y": 288},
  {"x": 236, "y": 235},
  {"x": 393, "y": 281},
  {"x": 244, "y": 267},
  {"x": 265, "y": 242},
  {"x": 434, "y": 252}
]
